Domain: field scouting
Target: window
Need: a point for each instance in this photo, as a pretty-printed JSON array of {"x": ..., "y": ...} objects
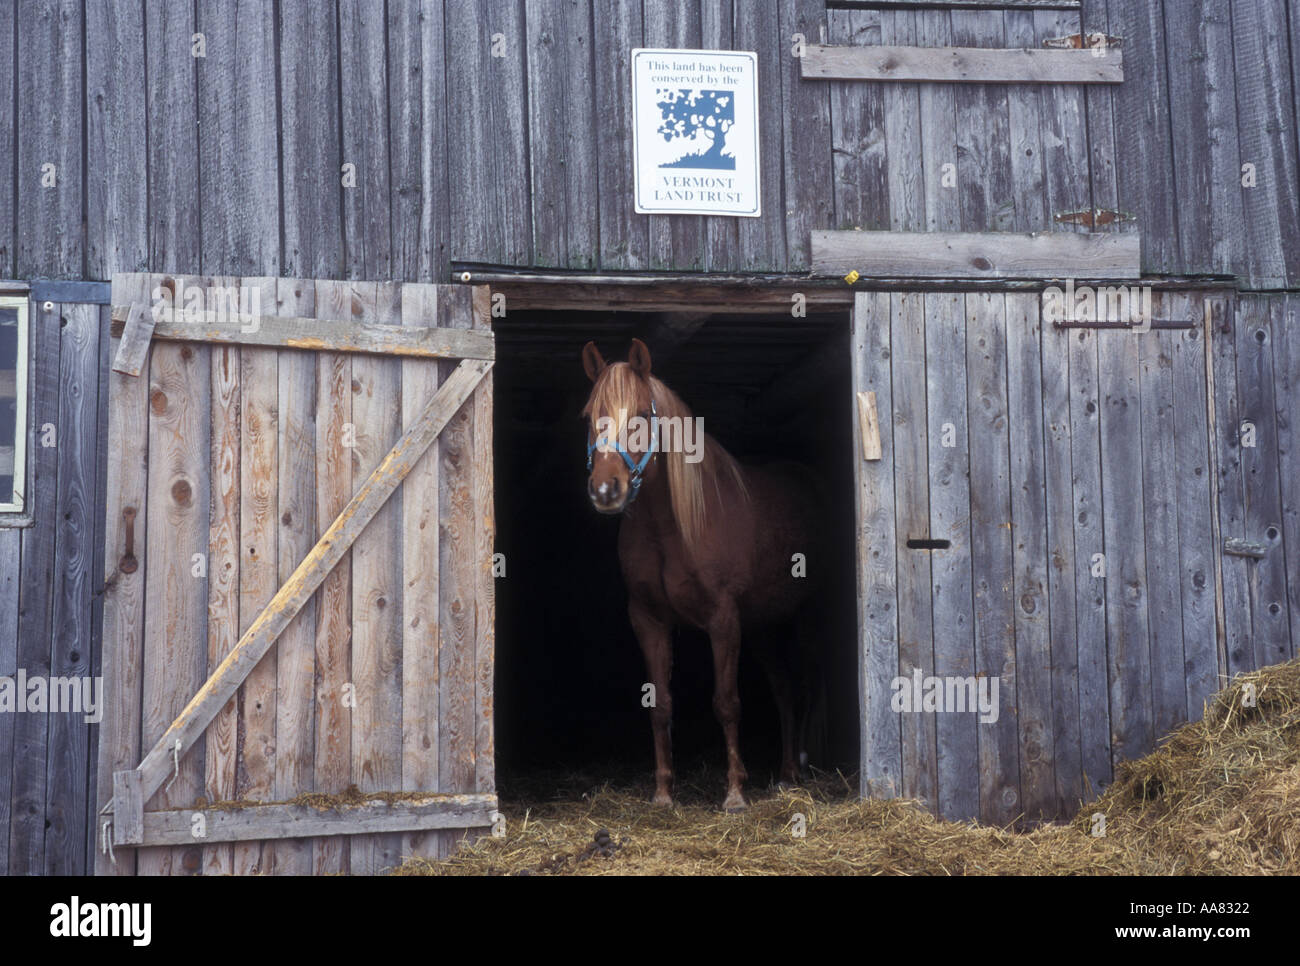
[{"x": 13, "y": 403}]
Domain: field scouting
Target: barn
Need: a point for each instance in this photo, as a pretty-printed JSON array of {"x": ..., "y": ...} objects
[{"x": 295, "y": 559}]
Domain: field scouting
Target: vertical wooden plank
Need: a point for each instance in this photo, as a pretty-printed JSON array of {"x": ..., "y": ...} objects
[
  {"x": 36, "y": 603},
  {"x": 67, "y": 771},
  {"x": 98, "y": 554},
  {"x": 858, "y": 132},
  {"x": 723, "y": 250},
  {"x": 1063, "y": 576},
  {"x": 1034, "y": 646},
  {"x": 1160, "y": 472},
  {"x": 881, "y": 767},
  {"x": 377, "y": 583},
  {"x": 173, "y": 141},
  {"x": 123, "y": 638},
  {"x": 116, "y": 211},
  {"x": 1229, "y": 413},
  {"x": 295, "y": 669},
  {"x": 939, "y": 134},
  {"x": 491, "y": 209},
  {"x": 762, "y": 242},
  {"x": 435, "y": 217},
  {"x": 1099, "y": 112},
  {"x": 50, "y": 176},
  {"x": 949, "y": 462},
  {"x": 677, "y": 242},
  {"x": 1207, "y": 166},
  {"x": 238, "y": 138},
  {"x": 221, "y": 751},
  {"x": 259, "y": 569},
  {"x": 8, "y": 233},
  {"x": 407, "y": 135},
  {"x": 1144, "y": 165},
  {"x": 176, "y": 634},
  {"x": 1089, "y": 541},
  {"x": 983, "y": 132},
  {"x": 1127, "y": 626},
  {"x": 991, "y": 550},
  {"x": 1267, "y": 134},
  {"x": 367, "y": 225},
  {"x": 335, "y": 439},
  {"x": 624, "y": 235},
  {"x": 1286, "y": 369},
  {"x": 10, "y": 557},
  {"x": 1026, "y": 125},
  {"x": 1196, "y": 548},
  {"x": 457, "y": 581},
  {"x": 484, "y": 541},
  {"x": 912, "y": 519},
  {"x": 1270, "y": 631},
  {"x": 904, "y": 179},
  {"x": 311, "y": 140},
  {"x": 420, "y": 631},
  {"x": 807, "y": 166},
  {"x": 562, "y": 148},
  {"x": 1063, "y": 144}
]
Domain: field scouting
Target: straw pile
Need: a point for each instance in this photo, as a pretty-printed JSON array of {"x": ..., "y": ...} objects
[{"x": 1220, "y": 796}]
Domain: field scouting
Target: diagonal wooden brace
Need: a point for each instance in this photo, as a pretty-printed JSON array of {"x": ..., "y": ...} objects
[{"x": 129, "y": 796}]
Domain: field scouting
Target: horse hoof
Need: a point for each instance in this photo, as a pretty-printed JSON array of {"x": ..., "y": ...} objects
[
  {"x": 734, "y": 803},
  {"x": 662, "y": 798}
]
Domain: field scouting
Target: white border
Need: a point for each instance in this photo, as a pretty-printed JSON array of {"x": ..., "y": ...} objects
[
  {"x": 22, "y": 364},
  {"x": 758, "y": 141}
]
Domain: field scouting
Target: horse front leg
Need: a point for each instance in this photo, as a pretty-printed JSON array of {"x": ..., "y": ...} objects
[
  {"x": 655, "y": 637},
  {"x": 724, "y": 635}
]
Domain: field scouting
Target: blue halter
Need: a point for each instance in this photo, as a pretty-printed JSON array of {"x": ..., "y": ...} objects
[{"x": 635, "y": 467}]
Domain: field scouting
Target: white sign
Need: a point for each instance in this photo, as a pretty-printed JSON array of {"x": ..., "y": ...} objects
[{"x": 695, "y": 132}]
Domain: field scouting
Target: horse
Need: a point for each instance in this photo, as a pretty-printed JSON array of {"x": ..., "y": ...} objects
[{"x": 706, "y": 542}]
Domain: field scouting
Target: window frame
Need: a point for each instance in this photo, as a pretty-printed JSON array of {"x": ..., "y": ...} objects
[{"x": 18, "y": 513}]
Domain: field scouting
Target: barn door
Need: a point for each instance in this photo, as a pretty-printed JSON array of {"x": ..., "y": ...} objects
[
  {"x": 298, "y": 604},
  {"x": 1039, "y": 515}
]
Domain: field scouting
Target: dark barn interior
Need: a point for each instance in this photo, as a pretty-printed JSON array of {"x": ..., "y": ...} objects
[{"x": 568, "y": 670}]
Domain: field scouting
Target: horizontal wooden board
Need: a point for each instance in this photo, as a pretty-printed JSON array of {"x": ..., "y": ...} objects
[
  {"x": 943, "y": 254},
  {"x": 963, "y": 65},
  {"x": 291, "y": 332},
  {"x": 176, "y": 827}
]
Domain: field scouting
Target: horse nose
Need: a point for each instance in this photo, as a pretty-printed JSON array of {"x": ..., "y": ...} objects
[{"x": 606, "y": 494}]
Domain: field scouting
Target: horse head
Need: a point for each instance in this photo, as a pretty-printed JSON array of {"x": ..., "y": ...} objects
[{"x": 622, "y": 435}]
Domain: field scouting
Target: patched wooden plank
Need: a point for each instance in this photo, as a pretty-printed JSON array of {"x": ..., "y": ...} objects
[
  {"x": 962, "y": 65},
  {"x": 976, "y": 254}
]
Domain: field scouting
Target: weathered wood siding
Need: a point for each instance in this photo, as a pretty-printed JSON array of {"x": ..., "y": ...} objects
[
  {"x": 236, "y": 459},
  {"x": 498, "y": 131},
  {"x": 1073, "y": 475}
]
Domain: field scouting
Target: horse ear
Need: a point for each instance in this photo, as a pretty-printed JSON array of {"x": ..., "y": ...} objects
[
  {"x": 592, "y": 361},
  {"x": 638, "y": 357}
]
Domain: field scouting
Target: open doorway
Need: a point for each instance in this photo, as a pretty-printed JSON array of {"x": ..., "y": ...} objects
[{"x": 569, "y": 672}]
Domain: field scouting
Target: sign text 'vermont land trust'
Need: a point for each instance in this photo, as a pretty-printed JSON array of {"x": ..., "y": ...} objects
[{"x": 695, "y": 132}]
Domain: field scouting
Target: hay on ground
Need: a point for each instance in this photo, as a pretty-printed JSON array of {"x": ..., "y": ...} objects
[{"x": 1220, "y": 796}]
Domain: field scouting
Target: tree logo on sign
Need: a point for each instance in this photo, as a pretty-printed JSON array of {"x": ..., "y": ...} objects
[{"x": 700, "y": 119}]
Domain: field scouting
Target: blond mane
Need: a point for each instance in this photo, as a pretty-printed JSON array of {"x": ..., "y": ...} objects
[{"x": 618, "y": 389}]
